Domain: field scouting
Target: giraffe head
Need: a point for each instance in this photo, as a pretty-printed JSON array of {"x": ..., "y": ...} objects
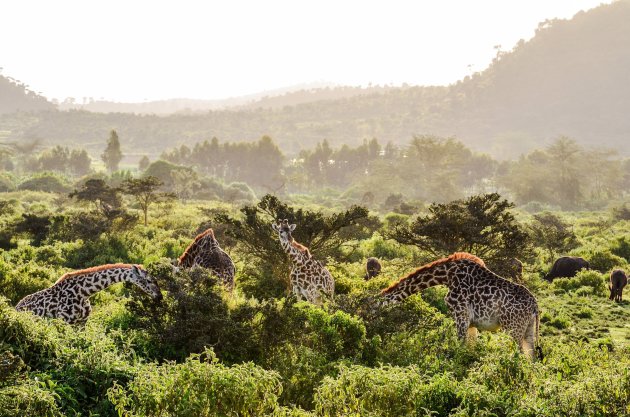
[
  {"x": 284, "y": 229},
  {"x": 146, "y": 282}
]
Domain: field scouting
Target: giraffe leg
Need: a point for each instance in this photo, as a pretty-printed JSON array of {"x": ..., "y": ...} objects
[
  {"x": 529, "y": 341},
  {"x": 518, "y": 334},
  {"x": 462, "y": 323}
]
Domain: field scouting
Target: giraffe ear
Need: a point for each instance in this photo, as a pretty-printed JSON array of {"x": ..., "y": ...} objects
[{"x": 292, "y": 227}]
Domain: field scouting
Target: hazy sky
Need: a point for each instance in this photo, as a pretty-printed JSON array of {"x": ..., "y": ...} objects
[{"x": 134, "y": 50}]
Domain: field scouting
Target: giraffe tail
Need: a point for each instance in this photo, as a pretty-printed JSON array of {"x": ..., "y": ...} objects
[{"x": 538, "y": 348}]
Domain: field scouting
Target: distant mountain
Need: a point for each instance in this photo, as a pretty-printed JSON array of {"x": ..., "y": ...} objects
[
  {"x": 15, "y": 96},
  {"x": 572, "y": 78},
  {"x": 289, "y": 96}
]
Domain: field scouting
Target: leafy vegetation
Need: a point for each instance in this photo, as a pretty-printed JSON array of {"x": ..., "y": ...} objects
[{"x": 203, "y": 351}]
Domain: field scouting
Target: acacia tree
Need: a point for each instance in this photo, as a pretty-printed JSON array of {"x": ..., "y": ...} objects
[
  {"x": 146, "y": 192},
  {"x": 324, "y": 235},
  {"x": 112, "y": 154},
  {"x": 482, "y": 225},
  {"x": 549, "y": 232}
]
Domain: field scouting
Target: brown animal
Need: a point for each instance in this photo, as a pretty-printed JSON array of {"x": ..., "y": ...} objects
[
  {"x": 204, "y": 251},
  {"x": 618, "y": 280},
  {"x": 372, "y": 268},
  {"x": 567, "y": 267},
  {"x": 477, "y": 298}
]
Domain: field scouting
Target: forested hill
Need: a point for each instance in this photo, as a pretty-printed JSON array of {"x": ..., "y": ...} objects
[
  {"x": 15, "y": 96},
  {"x": 572, "y": 78}
]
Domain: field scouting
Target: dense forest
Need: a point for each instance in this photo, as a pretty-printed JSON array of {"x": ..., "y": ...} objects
[{"x": 570, "y": 79}]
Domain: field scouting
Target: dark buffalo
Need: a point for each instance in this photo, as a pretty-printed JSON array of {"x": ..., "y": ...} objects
[
  {"x": 618, "y": 280},
  {"x": 567, "y": 267},
  {"x": 372, "y": 268}
]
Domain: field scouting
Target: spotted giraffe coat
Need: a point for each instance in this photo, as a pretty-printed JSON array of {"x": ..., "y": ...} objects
[
  {"x": 204, "y": 251},
  {"x": 477, "y": 298},
  {"x": 310, "y": 280},
  {"x": 69, "y": 298}
]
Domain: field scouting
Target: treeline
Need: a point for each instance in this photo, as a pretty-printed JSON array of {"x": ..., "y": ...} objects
[
  {"x": 16, "y": 96},
  {"x": 563, "y": 175},
  {"x": 257, "y": 163},
  {"x": 429, "y": 168}
]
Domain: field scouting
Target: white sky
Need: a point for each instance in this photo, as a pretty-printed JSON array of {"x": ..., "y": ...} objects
[{"x": 136, "y": 50}]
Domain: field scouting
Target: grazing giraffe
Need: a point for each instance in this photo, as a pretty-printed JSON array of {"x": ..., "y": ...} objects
[
  {"x": 477, "y": 298},
  {"x": 69, "y": 298},
  {"x": 204, "y": 251},
  {"x": 309, "y": 278}
]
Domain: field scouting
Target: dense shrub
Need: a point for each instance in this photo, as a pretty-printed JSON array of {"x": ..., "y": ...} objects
[
  {"x": 199, "y": 387},
  {"x": 592, "y": 281},
  {"x": 47, "y": 182},
  {"x": 385, "y": 391},
  {"x": 602, "y": 260},
  {"x": 28, "y": 398}
]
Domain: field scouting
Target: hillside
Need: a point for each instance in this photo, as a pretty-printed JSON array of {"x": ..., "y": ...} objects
[
  {"x": 15, "y": 96},
  {"x": 570, "y": 79}
]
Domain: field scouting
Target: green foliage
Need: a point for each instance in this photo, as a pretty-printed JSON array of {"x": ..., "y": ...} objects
[
  {"x": 604, "y": 260},
  {"x": 482, "y": 225},
  {"x": 385, "y": 391},
  {"x": 275, "y": 356},
  {"x": 145, "y": 191},
  {"x": 324, "y": 235},
  {"x": 198, "y": 387},
  {"x": 193, "y": 315},
  {"x": 28, "y": 398},
  {"x": 592, "y": 281},
  {"x": 550, "y": 232},
  {"x": 621, "y": 248},
  {"x": 112, "y": 154},
  {"x": 47, "y": 182}
]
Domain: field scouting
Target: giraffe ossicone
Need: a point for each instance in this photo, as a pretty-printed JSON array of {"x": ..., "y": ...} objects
[
  {"x": 477, "y": 298},
  {"x": 205, "y": 251},
  {"x": 69, "y": 298},
  {"x": 310, "y": 280}
]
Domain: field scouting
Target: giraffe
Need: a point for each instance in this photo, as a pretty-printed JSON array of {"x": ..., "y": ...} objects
[
  {"x": 204, "y": 251},
  {"x": 309, "y": 278},
  {"x": 477, "y": 299},
  {"x": 69, "y": 297}
]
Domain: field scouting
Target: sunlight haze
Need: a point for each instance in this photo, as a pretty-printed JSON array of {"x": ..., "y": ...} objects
[{"x": 141, "y": 50}]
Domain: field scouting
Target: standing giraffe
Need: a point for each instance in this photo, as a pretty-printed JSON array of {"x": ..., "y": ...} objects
[
  {"x": 204, "y": 251},
  {"x": 69, "y": 297},
  {"x": 477, "y": 298},
  {"x": 309, "y": 278}
]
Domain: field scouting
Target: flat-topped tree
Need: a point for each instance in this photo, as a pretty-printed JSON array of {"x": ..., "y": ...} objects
[
  {"x": 146, "y": 192},
  {"x": 481, "y": 224}
]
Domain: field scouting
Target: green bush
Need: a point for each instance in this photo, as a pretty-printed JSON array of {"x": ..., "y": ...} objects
[
  {"x": 28, "y": 398},
  {"x": 385, "y": 391},
  {"x": 198, "y": 387},
  {"x": 604, "y": 260},
  {"x": 47, "y": 182},
  {"x": 621, "y": 248},
  {"x": 587, "y": 282}
]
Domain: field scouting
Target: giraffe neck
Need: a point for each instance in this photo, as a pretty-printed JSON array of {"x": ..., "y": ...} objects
[
  {"x": 91, "y": 283},
  {"x": 415, "y": 282},
  {"x": 207, "y": 244},
  {"x": 294, "y": 253}
]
